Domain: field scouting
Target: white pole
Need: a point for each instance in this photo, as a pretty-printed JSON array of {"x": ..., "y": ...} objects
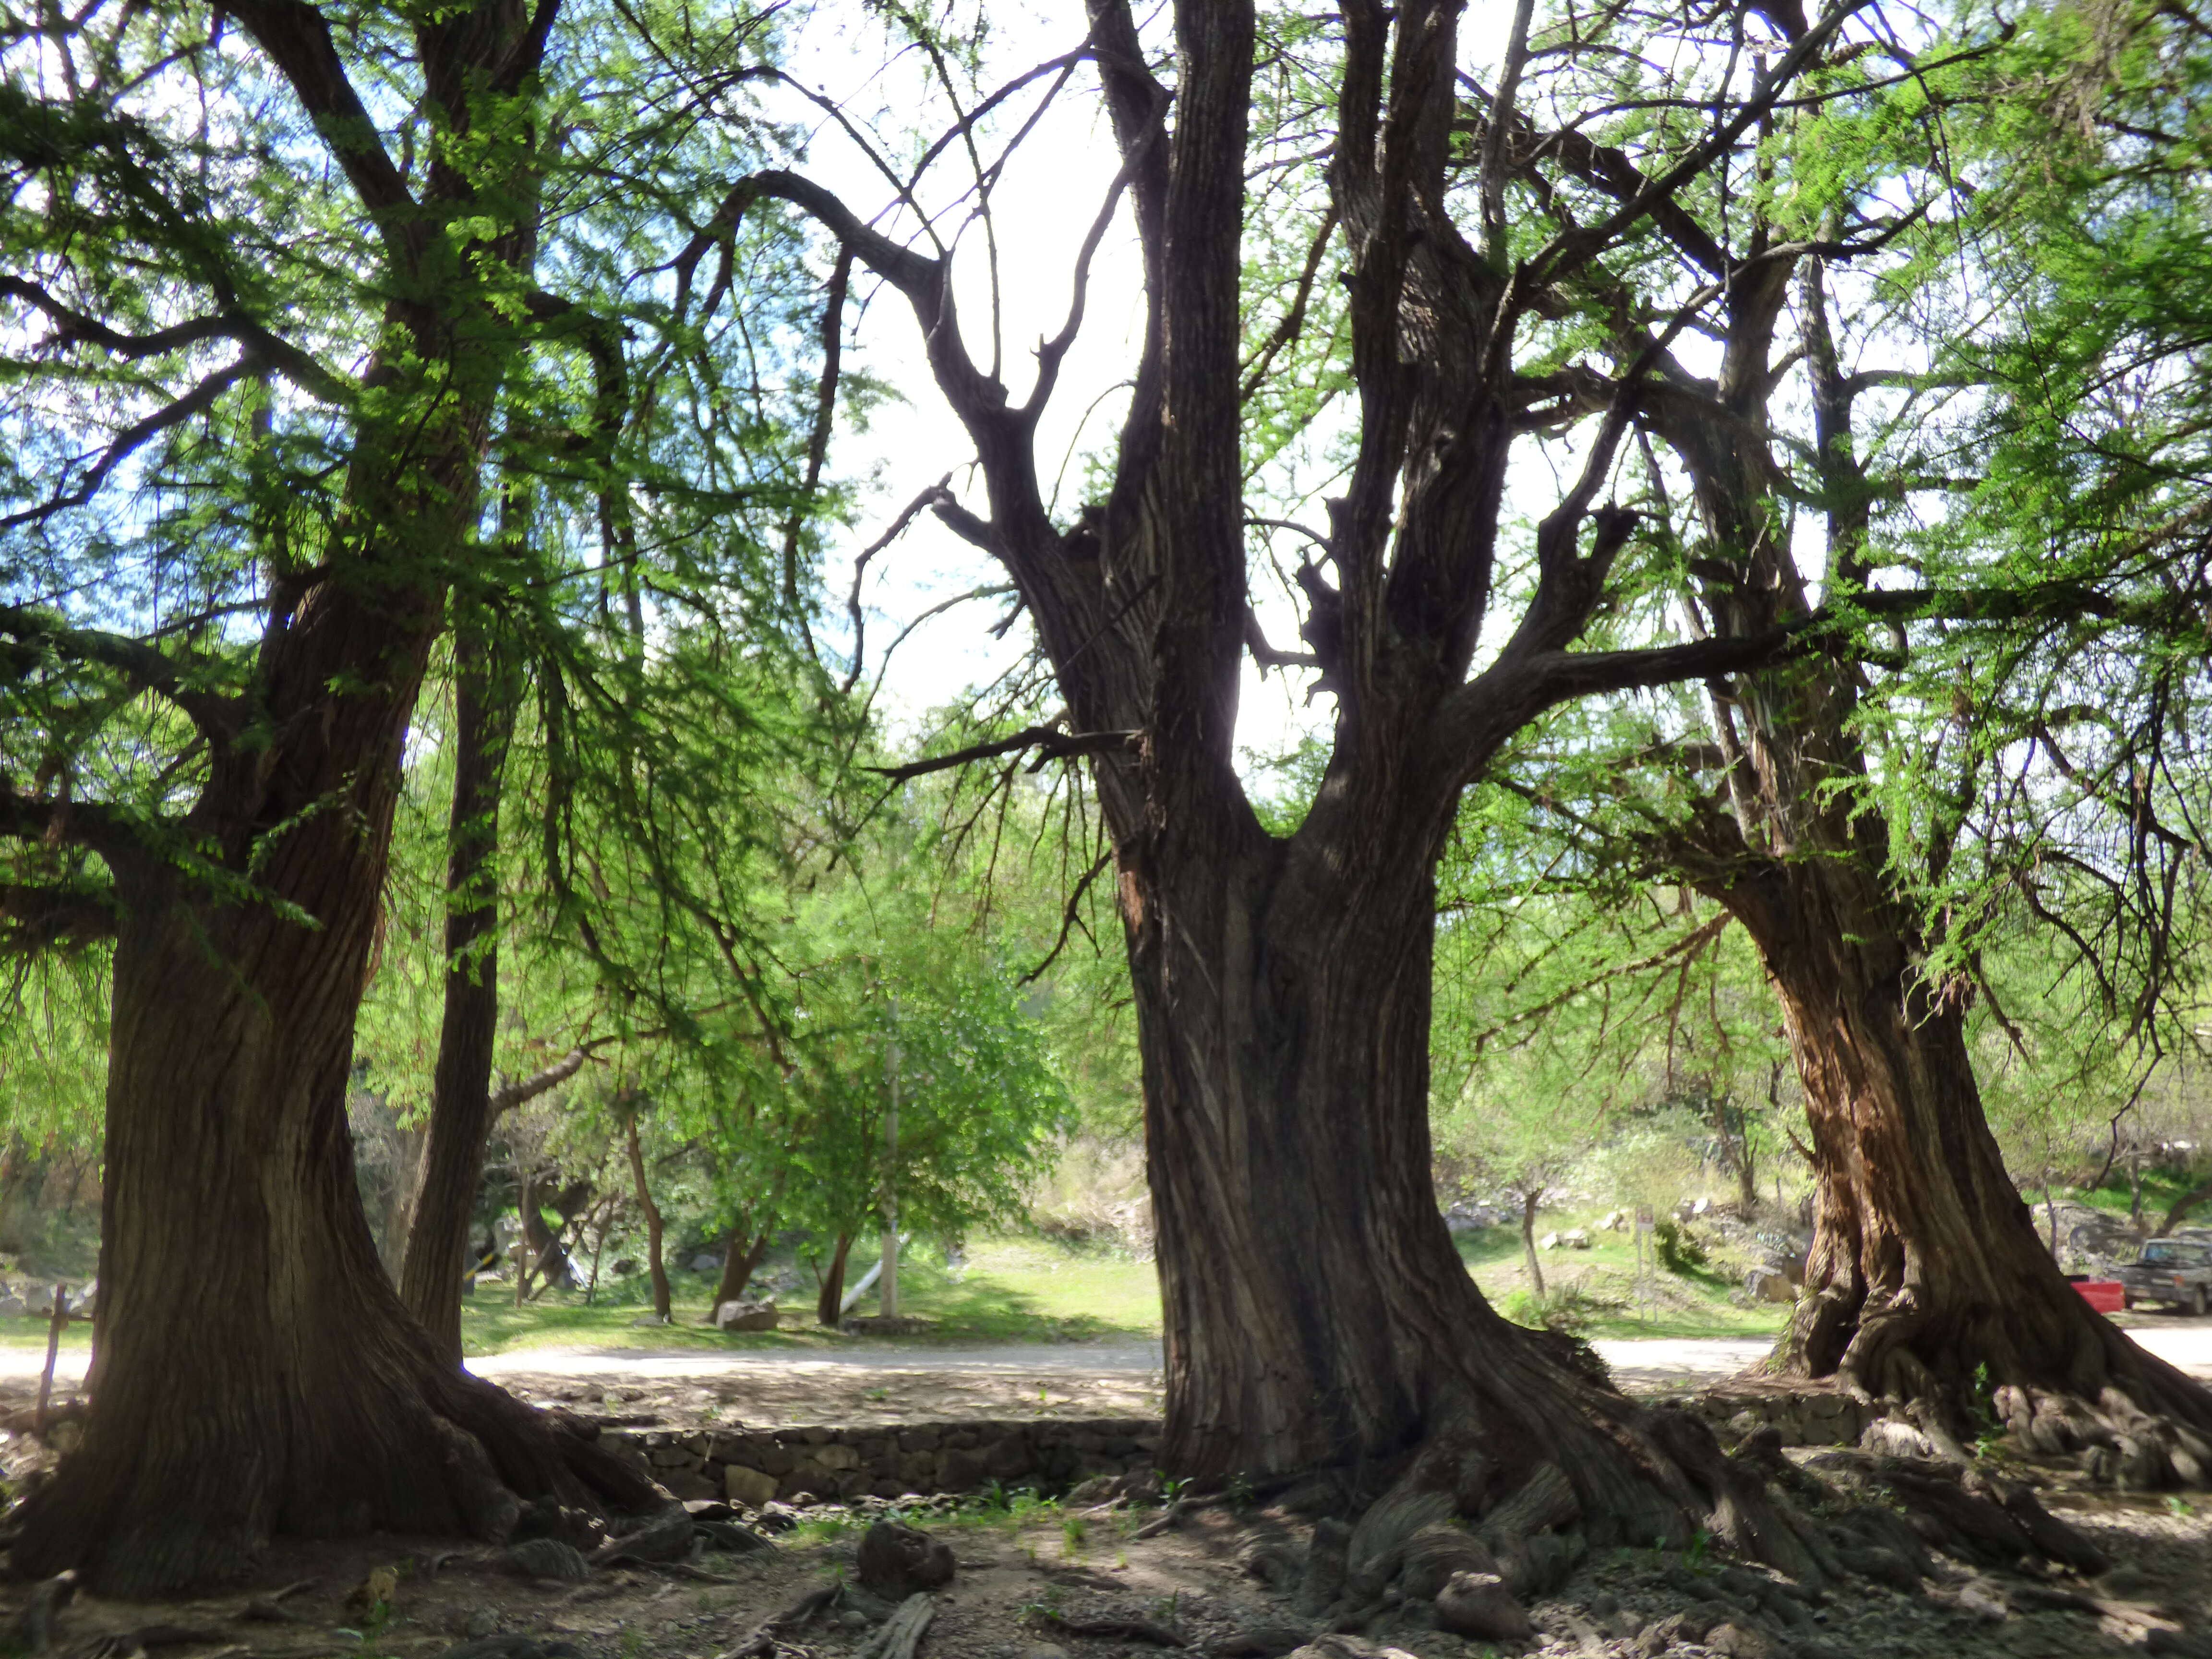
[{"x": 891, "y": 1177}]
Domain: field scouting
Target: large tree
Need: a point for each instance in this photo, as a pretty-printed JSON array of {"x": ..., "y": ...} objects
[
  {"x": 273, "y": 305},
  {"x": 1825, "y": 801},
  {"x": 1315, "y": 1311}
]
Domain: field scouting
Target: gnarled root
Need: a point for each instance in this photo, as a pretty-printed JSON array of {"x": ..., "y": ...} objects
[
  {"x": 1653, "y": 1476},
  {"x": 2064, "y": 1384},
  {"x": 443, "y": 1452},
  {"x": 1966, "y": 1512}
]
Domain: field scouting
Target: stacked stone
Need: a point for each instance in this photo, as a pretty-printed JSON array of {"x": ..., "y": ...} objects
[
  {"x": 1809, "y": 1417},
  {"x": 754, "y": 1467}
]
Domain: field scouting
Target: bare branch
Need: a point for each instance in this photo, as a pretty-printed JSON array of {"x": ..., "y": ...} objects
[
  {"x": 860, "y": 569},
  {"x": 1256, "y": 642},
  {"x": 1051, "y": 743},
  {"x": 1067, "y": 919},
  {"x": 522, "y": 1090},
  {"x": 134, "y": 437}
]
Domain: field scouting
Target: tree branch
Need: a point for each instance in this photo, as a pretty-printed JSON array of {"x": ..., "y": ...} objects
[
  {"x": 61, "y": 822},
  {"x": 1051, "y": 743},
  {"x": 134, "y": 437},
  {"x": 32, "y": 918},
  {"x": 509, "y": 1096},
  {"x": 1573, "y": 248},
  {"x": 72, "y": 325},
  {"x": 297, "y": 38},
  {"x": 142, "y": 667}
]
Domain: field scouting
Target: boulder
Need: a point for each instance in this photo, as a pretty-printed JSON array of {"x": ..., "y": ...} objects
[
  {"x": 746, "y": 1313},
  {"x": 1766, "y": 1285},
  {"x": 549, "y": 1559},
  {"x": 1613, "y": 1222},
  {"x": 1735, "y": 1641},
  {"x": 11, "y": 1305},
  {"x": 1549, "y": 1242},
  {"x": 1478, "y": 1605},
  {"x": 896, "y": 1561},
  {"x": 1575, "y": 1239}
]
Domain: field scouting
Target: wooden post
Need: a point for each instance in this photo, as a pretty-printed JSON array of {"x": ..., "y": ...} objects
[
  {"x": 891, "y": 1178},
  {"x": 53, "y": 1352}
]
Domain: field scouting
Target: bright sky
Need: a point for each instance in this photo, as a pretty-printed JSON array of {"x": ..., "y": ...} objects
[{"x": 1043, "y": 206}]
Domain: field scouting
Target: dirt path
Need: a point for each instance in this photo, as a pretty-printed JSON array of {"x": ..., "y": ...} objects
[{"x": 888, "y": 1384}]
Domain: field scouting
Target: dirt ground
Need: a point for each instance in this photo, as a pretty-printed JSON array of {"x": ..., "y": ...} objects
[
  {"x": 1024, "y": 1572},
  {"x": 899, "y": 1390}
]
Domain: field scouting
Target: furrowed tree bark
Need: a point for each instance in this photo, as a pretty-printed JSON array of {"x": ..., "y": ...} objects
[
  {"x": 1315, "y": 1309},
  {"x": 1927, "y": 1282},
  {"x": 460, "y": 1093},
  {"x": 255, "y": 1371}
]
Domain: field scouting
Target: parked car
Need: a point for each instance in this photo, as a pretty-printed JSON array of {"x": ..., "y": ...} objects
[{"x": 2174, "y": 1272}]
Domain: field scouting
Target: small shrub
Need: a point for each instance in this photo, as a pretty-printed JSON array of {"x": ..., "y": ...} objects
[
  {"x": 1569, "y": 1309},
  {"x": 1679, "y": 1252}
]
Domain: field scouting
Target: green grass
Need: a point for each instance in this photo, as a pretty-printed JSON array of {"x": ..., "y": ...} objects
[
  {"x": 1039, "y": 1289},
  {"x": 1686, "y": 1305},
  {"x": 29, "y": 1331},
  {"x": 1013, "y": 1290},
  {"x": 2160, "y": 1188}
]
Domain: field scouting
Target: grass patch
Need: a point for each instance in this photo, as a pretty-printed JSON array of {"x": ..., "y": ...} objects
[
  {"x": 29, "y": 1331},
  {"x": 2161, "y": 1188},
  {"x": 1012, "y": 1290},
  {"x": 1016, "y": 1290},
  {"x": 1686, "y": 1304}
]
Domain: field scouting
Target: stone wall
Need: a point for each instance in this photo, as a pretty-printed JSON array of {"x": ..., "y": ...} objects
[
  {"x": 1803, "y": 1417},
  {"x": 752, "y": 1466}
]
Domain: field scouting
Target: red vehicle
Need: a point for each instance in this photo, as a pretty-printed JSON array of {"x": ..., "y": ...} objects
[{"x": 2105, "y": 1294}]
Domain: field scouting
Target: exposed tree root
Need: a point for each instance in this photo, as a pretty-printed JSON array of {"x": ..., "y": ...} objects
[
  {"x": 137, "y": 1512},
  {"x": 2066, "y": 1386}
]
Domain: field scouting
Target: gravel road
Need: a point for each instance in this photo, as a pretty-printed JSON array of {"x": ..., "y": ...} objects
[{"x": 1653, "y": 1362}]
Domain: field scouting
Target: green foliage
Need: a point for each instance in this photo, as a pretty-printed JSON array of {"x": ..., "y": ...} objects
[{"x": 1679, "y": 1252}]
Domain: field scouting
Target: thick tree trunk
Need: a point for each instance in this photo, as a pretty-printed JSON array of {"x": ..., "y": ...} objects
[
  {"x": 547, "y": 1256},
  {"x": 1928, "y": 1281},
  {"x": 460, "y": 1093},
  {"x": 1317, "y": 1312},
  {"x": 741, "y": 1258},
  {"x": 827, "y": 1305},
  {"x": 651, "y": 1210},
  {"x": 255, "y": 1371}
]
